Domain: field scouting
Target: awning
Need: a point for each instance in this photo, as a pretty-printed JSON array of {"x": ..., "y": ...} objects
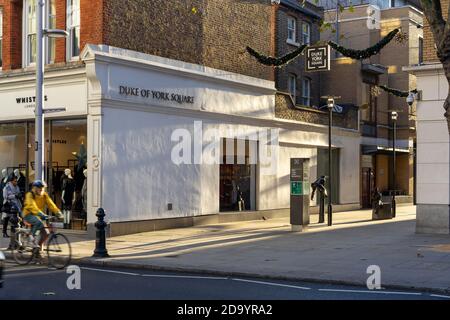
[{"x": 373, "y": 149}]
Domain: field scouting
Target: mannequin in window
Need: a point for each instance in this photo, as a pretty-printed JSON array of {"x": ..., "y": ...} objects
[
  {"x": 21, "y": 183},
  {"x": 3, "y": 182},
  {"x": 3, "y": 215},
  {"x": 67, "y": 196}
]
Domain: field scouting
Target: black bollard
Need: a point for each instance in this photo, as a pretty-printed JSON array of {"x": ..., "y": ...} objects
[
  {"x": 100, "y": 240},
  {"x": 321, "y": 208}
]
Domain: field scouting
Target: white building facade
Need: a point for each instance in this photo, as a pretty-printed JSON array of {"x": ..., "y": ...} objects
[
  {"x": 433, "y": 150},
  {"x": 161, "y": 138}
]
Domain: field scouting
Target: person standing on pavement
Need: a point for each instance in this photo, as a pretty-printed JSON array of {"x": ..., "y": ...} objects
[{"x": 11, "y": 204}]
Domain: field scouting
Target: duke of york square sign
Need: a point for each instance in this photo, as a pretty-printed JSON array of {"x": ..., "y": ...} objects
[{"x": 318, "y": 58}]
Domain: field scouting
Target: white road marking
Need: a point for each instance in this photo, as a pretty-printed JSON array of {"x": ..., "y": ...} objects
[
  {"x": 373, "y": 291},
  {"x": 272, "y": 284},
  {"x": 439, "y": 296},
  {"x": 111, "y": 271},
  {"x": 185, "y": 277}
]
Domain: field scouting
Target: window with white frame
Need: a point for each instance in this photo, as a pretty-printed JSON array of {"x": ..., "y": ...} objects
[
  {"x": 73, "y": 28},
  {"x": 1, "y": 38},
  {"x": 306, "y": 92},
  {"x": 306, "y": 33},
  {"x": 29, "y": 20},
  {"x": 29, "y": 27},
  {"x": 292, "y": 29},
  {"x": 51, "y": 24},
  {"x": 292, "y": 85}
]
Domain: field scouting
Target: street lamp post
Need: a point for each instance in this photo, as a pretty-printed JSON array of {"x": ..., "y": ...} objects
[
  {"x": 330, "y": 105},
  {"x": 41, "y": 33},
  {"x": 394, "y": 117}
]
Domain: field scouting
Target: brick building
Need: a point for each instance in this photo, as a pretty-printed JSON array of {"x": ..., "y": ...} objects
[
  {"x": 193, "y": 35},
  {"x": 356, "y": 82},
  {"x": 433, "y": 143},
  {"x": 297, "y": 25}
]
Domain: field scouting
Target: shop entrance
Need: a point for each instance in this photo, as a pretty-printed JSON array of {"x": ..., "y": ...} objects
[
  {"x": 367, "y": 186},
  {"x": 65, "y": 149},
  {"x": 238, "y": 176}
]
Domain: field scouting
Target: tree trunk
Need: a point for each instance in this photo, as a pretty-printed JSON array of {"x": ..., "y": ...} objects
[{"x": 446, "y": 65}]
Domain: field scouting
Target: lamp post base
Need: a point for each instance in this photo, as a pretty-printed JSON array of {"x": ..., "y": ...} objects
[
  {"x": 394, "y": 207},
  {"x": 330, "y": 215}
]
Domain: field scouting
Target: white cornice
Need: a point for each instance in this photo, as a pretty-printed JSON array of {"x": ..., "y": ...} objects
[{"x": 431, "y": 68}]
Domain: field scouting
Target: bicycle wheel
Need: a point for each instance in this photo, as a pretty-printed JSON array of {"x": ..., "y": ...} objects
[
  {"x": 59, "y": 251},
  {"x": 23, "y": 250}
]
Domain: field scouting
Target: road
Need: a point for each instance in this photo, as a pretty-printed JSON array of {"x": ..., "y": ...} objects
[{"x": 38, "y": 282}]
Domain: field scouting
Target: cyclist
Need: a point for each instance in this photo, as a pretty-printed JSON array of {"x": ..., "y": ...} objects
[{"x": 33, "y": 210}]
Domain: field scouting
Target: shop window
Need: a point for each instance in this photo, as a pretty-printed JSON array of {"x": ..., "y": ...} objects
[
  {"x": 67, "y": 150},
  {"x": 29, "y": 27},
  {"x": 73, "y": 28},
  {"x": 306, "y": 92},
  {"x": 13, "y": 148},
  {"x": 306, "y": 33},
  {"x": 291, "y": 30},
  {"x": 237, "y": 176},
  {"x": 1, "y": 38}
]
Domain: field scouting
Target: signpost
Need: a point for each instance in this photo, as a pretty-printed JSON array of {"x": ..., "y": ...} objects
[
  {"x": 299, "y": 193},
  {"x": 318, "y": 58}
]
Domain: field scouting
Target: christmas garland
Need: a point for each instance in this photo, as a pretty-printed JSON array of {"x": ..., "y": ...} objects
[
  {"x": 366, "y": 53},
  {"x": 274, "y": 61},
  {"x": 397, "y": 93}
]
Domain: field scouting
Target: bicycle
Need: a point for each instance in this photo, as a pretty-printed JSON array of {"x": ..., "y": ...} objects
[{"x": 58, "y": 248}]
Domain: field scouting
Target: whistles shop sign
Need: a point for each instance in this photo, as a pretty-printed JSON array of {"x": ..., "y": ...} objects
[
  {"x": 155, "y": 95},
  {"x": 20, "y": 103}
]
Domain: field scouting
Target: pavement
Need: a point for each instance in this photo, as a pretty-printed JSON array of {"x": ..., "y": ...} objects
[{"x": 268, "y": 249}]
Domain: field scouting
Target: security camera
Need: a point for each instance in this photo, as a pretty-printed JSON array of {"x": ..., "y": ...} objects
[{"x": 411, "y": 98}]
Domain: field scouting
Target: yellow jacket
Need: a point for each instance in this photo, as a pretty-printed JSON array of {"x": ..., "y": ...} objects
[{"x": 34, "y": 204}]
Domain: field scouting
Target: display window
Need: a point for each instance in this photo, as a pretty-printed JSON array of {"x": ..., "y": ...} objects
[
  {"x": 237, "y": 177},
  {"x": 64, "y": 168}
]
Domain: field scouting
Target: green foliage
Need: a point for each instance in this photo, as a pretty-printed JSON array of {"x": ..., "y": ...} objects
[
  {"x": 397, "y": 93},
  {"x": 274, "y": 61}
]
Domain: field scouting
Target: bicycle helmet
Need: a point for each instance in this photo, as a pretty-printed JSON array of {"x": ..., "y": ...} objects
[{"x": 38, "y": 184}]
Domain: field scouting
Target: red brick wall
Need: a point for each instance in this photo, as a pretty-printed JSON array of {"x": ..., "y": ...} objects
[
  {"x": 91, "y": 29},
  {"x": 12, "y": 34},
  {"x": 60, "y": 24},
  {"x": 208, "y": 32},
  {"x": 92, "y": 18}
]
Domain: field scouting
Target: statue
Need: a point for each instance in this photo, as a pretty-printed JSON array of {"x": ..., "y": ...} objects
[{"x": 319, "y": 185}]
